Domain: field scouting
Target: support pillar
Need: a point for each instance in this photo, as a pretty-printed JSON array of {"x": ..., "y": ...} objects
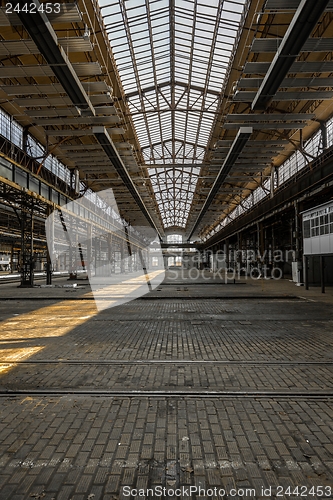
[
  {"x": 27, "y": 249},
  {"x": 240, "y": 252},
  {"x": 322, "y": 273},
  {"x": 122, "y": 256},
  {"x": 323, "y": 129},
  {"x": 261, "y": 240},
  {"x": 129, "y": 249},
  {"x": 72, "y": 249},
  {"x": 110, "y": 254},
  {"x": 50, "y": 247},
  {"x": 11, "y": 265},
  {"x": 227, "y": 258},
  {"x": 97, "y": 245},
  {"x": 306, "y": 271},
  {"x": 297, "y": 231},
  {"x": 297, "y": 240},
  {"x": 89, "y": 248},
  {"x": 272, "y": 181},
  {"x": 144, "y": 267},
  {"x": 71, "y": 238}
]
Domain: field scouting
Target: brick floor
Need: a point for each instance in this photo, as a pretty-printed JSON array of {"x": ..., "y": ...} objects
[{"x": 205, "y": 385}]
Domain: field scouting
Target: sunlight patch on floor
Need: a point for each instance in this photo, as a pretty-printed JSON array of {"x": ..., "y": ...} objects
[
  {"x": 108, "y": 294},
  {"x": 51, "y": 321}
]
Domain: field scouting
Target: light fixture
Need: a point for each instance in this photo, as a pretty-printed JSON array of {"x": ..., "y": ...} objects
[
  {"x": 301, "y": 27},
  {"x": 237, "y": 147}
]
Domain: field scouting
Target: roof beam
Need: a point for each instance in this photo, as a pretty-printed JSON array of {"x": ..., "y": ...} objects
[
  {"x": 107, "y": 144},
  {"x": 44, "y": 36},
  {"x": 237, "y": 147},
  {"x": 301, "y": 27},
  {"x": 177, "y": 83}
]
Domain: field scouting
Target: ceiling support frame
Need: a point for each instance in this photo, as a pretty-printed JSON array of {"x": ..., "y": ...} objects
[
  {"x": 237, "y": 147},
  {"x": 301, "y": 27},
  {"x": 42, "y": 33},
  {"x": 107, "y": 144}
]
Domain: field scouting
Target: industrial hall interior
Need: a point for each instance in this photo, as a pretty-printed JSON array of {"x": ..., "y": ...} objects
[{"x": 166, "y": 249}]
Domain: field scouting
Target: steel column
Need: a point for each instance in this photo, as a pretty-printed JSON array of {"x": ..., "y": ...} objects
[
  {"x": 50, "y": 247},
  {"x": 110, "y": 255},
  {"x": 306, "y": 271},
  {"x": 89, "y": 249},
  {"x": 72, "y": 249},
  {"x": 322, "y": 273},
  {"x": 27, "y": 248}
]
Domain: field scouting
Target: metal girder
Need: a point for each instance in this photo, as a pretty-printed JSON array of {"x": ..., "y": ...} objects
[
  {"x": 245, "y": 96},
  {"x": 177, "y": 113},
  {"x": 27, "y": 240},
  {"x": 263, "y": 45},
  {"x": 238, "y": 145},
  {"x": 89, "y": 120},
  {"x": 301, "y": 26},
  {"x": 299, "y": 82},
  {"x": 69, "y": 132},
  {"x": 285, "y": 5},
  {"x": 267, "y": 126},
  {"x": 296, "y": 67},
  {"x": 178, "y": 83},
  {"x": 268, "y": 117},
  {"x": 107, "y": 144},
  {"x": 42, "y": 33}
]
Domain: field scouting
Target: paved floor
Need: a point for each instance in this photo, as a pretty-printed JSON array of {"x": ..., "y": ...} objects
[{"x": 207, "y": 388}]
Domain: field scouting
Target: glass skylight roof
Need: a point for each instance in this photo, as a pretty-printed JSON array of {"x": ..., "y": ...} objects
[{"x": 172, "y": 57}]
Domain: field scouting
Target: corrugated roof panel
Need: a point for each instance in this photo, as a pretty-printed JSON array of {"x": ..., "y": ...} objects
[
  {"x": 297, "y": 67},
  {"x": 81, "y": 69},
  {"x": 267, "y": 126},
  {"x": 56, "y": 88},
  {"x": 22, "y": 47},
  {"x": 17, "y": 47},
  {"x": 301, "y": 82},
  {"x": 244, "y": 96},
  {"x": 269, "y": 117},
  {"x": 262, "y": 45}
]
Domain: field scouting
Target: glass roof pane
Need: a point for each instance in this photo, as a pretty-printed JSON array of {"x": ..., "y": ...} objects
[{"x": 182, "y": 45}]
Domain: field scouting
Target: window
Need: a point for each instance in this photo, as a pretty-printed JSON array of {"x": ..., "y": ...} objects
[
  {"x": 154, "y": 262},
  {"x": 306, "y": 229},
  {"x": 10, "y": 129}
]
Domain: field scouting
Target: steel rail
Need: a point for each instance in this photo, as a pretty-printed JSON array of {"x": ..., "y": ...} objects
[{"x": 169, "y": 394}]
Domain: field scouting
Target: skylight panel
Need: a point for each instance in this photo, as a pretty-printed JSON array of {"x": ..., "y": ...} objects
[{"x": 171, "y": 50}]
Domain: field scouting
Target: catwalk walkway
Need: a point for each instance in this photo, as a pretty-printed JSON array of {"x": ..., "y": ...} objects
[{"x": 223, "y": 387}]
